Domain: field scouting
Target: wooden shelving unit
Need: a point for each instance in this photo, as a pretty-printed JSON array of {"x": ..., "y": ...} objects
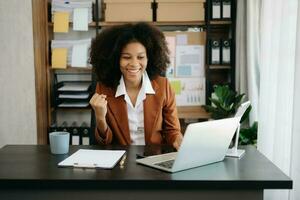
[{"x": 43, "y": 32}]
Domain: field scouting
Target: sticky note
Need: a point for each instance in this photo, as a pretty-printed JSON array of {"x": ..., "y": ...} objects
[
  {"x": 80, "y": 19},
  {"x": 176, "y": 85},
  {"x": 59, "y": 58},
  {"x": 61, "y": 22}
]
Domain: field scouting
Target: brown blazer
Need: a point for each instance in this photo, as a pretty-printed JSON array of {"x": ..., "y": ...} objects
[{"x": 160, "y": 116}]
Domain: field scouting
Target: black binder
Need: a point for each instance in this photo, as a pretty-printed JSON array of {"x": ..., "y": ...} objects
[
  {"x": 214, "y": 51},
  {"x": 75, "y": 134},
  {"x": 216, "y": 9},
  {"x": 226, "y": 51},
  {"x": 85, "y": 133},
  {"x": 226, "y": 9}
]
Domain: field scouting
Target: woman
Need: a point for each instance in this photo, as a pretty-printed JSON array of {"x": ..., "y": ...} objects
[{"x": 133, "y": 104}]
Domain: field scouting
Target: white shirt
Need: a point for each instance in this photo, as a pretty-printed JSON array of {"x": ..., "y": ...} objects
[{"x": 136, "y": 113}]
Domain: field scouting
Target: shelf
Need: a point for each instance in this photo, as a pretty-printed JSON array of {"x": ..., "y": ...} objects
[
  {"x": 219, "y": 67},
  {"x": 92, "y": 24},
  {"x": 72, "y": 108},
  {"x": 188, "y": 23},
  {"x": 72, "y": 69},
  {"x": 192, "y": 112},
  {"x": 219, "y": 22}
]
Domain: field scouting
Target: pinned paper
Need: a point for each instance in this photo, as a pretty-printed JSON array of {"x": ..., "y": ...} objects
[
  {"x": 182, "y": 39},
  {"x": 79, "y": 55},
  {"x": 192, "y": 91},
  {"x": 80, "y": 19},
  {"x": 59, "y": 58},
  {"x": 61, "y": 22},
  {"x": 190, "y": 61},
  {"x": 176, "y": 85},
  {"x": 171, "y": 42}
]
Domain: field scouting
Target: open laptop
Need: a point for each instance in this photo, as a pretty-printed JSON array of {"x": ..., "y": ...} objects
[{"x": 203, "y": 143}]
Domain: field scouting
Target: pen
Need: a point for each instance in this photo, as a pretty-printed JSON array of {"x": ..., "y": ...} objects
[
  {"x": 139, "y": 156},
  {"x": 122, "y": 162}
]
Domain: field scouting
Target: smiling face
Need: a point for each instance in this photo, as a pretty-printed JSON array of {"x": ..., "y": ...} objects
[{"x": 133, "y": 63}]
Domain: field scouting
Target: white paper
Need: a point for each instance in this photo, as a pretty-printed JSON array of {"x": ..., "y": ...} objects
[
  {"x": 216, "y": 11},
  {"x": 181, "y": 39},
  {"x": 73, "y": 105},
  {"x": 80, "y": 19},
  {"x": 191, "y": 91},
  {"x": 75, "y": 86},
  {"x": 79, "y": 55},
  {"x": 94, "y": 158},
  {"x": 190, "y": 61},
  {"x": 226, "y": 10},
  {"x": 69, "y": 7},
  {"x": 74, "y": 96}
]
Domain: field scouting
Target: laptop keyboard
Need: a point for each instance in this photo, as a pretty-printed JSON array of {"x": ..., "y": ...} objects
[{"x": 167, "y": 164}]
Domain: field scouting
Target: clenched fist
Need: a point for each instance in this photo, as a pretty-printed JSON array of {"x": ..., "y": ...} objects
[{"x": 99, "y": 104}]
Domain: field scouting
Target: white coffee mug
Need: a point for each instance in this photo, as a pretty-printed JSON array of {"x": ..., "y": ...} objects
[{"x": 59, "y": 142}]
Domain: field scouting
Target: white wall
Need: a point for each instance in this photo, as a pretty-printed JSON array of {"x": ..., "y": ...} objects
[{"x": 17, "y": 84}]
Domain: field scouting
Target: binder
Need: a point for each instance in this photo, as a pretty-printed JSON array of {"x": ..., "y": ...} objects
[
  {"x": 216, "y": 9},
  {"x": 226, "y": 51},
  {"x": 64, "y": 126},
  {"x": 85, "y": 134},
  {"x": 215, "y": 51},
  {"x": 226, "y": 9},
  {"x": 75, "y": 135}
]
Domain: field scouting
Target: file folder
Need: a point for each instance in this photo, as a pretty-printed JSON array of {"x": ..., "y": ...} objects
[
  {"x": 226, "y": 51},
  {"x": 215, "y": 51},
  {"x": 226, "y": 9},
  {"x": 216, "y": 9},
  {"x": 75, "y": 135},
  {"x": 85, "y": 133},
  {"x": 85, "y": 136}
]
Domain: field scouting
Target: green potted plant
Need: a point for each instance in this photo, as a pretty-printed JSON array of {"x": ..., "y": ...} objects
[
  {"x": 248, "y": 135},
  {"x": 225, "y": 102}
]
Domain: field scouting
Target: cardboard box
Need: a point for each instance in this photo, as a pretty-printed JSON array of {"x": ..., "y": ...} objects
[
  {"x": 128, "y": 10},
  {"x": 180, "y": 10}
]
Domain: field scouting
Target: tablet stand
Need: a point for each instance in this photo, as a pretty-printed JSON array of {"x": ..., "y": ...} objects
[{"x": 234, "y": 151}]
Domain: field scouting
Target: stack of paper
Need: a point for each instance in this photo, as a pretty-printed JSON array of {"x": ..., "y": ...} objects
[
  {"x": 75, "y": 87},
  {"x": 68, "y": 6},
  {"x": 74, "y": 94},
  {"x": 70, "y": 52}
]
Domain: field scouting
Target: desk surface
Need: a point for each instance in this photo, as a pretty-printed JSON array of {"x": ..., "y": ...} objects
[{"x": 33, "y": 166}]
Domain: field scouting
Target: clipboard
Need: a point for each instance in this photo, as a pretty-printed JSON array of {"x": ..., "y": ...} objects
[{"x": 87, "y": 158}]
